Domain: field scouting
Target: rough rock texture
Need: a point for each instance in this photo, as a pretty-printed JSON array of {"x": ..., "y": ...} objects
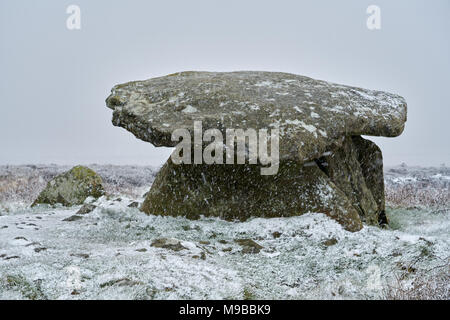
[
  {"x": 335, "y": 185},
  {"x": 371, "y": 160},
  {"x": 345, "y": 166},
  {"x": 249, "y": 246},
  {"x": 313, "y": 116},
  {"x": 325, "y": 166},
  {"x": 72, "y": 188},
  {"x": 168, "y": 243},
  {"x": 86, "y": 208}
]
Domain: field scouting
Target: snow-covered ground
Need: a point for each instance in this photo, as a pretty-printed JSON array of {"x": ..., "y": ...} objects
[{"x": 108, "y": 253}]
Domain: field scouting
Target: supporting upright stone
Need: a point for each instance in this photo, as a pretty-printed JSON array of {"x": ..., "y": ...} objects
[
  {"x": 371, "y": 161},
  {"x": 344, "y": 169},
  {"x": 240, "y": 192}
]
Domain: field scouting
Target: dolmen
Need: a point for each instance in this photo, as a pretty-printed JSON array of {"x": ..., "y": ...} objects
[{"x": 262, "y": 144}]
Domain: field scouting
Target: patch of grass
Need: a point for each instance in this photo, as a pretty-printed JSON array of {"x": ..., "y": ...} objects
[
  {"x": 425, "y": 286},
  {"x": 248, "y": 294},
  {"x": 29, "y": 290}
]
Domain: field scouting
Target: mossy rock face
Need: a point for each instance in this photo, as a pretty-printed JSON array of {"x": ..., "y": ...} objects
[
  {"x": 238, "y": 192},
  {"x": 344, "y": 169},
  {"x": 72, "y": 188},
  {"x": 336, "y": 185},
  {"x": 371, "y": 160}
]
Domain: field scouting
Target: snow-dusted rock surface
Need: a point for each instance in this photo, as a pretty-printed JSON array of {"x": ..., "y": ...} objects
[
  {"x": 108, "y": 253},
  {"x": 318, "y": 121},
  {"x": 313, "y": 116},
  {"x": 335, "y": 186},
  {"x": 72, "y": 187}
]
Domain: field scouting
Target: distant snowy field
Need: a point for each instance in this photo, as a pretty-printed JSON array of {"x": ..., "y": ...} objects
[{"x": 108, "y": 254}]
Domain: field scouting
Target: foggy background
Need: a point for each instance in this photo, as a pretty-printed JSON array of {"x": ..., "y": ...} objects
[{"x": 53, "y": 81}]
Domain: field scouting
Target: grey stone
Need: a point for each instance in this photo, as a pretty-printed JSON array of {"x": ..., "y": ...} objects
[
  {"x": 73, "y": 218},
  {"x": 72, "y": 188},
  {"x": 240, "y": 192},
  {"x": 249, "y": 246},
  {"x": 168, "y": 243},
  {"x": 313, "y": 116},
  {"x": 371, "y": 160},
  {"x": 330, "y": 242},
  {"x": 133, "y": 204},
  {"x": 80, "y": 255},
  {"x": 325, "y": 166},
  {"x": 86, "y": 208}
]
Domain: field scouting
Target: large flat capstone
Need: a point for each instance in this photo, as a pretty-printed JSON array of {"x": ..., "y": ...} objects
[{"x": 312, "y": 115}]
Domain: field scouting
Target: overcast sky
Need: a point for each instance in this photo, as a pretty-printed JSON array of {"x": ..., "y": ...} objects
[{"x": 54, "y": 81}]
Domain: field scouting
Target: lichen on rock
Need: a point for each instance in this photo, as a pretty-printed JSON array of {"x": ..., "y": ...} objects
[
  {"x": 325, "y": 165},
  {"x": 312, "y": 115},
  {"x": 238, "y": 192},
  {"x": 72, "y": 188}
]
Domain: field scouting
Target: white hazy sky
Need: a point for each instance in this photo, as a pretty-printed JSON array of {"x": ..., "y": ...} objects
[{"x": 53, "y": 81}]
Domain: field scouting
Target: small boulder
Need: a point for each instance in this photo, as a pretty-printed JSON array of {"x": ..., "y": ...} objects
[
  {"x": 72, "y": 188},
  {"x": 86, "y": 208},
  {"x": 73, "y": 218},
  {"x": 168, "y": 243},
  {"x": 80, "y": 255},
  {"x": 330, "y": 242},
  {"x": 249, "y": 246},
  {"x": 133, "y": 204},
  {"x": 276, "y": 234}
]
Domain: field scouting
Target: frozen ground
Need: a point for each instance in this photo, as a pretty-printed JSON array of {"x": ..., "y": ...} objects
[{"x": 108, "y": 253}]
